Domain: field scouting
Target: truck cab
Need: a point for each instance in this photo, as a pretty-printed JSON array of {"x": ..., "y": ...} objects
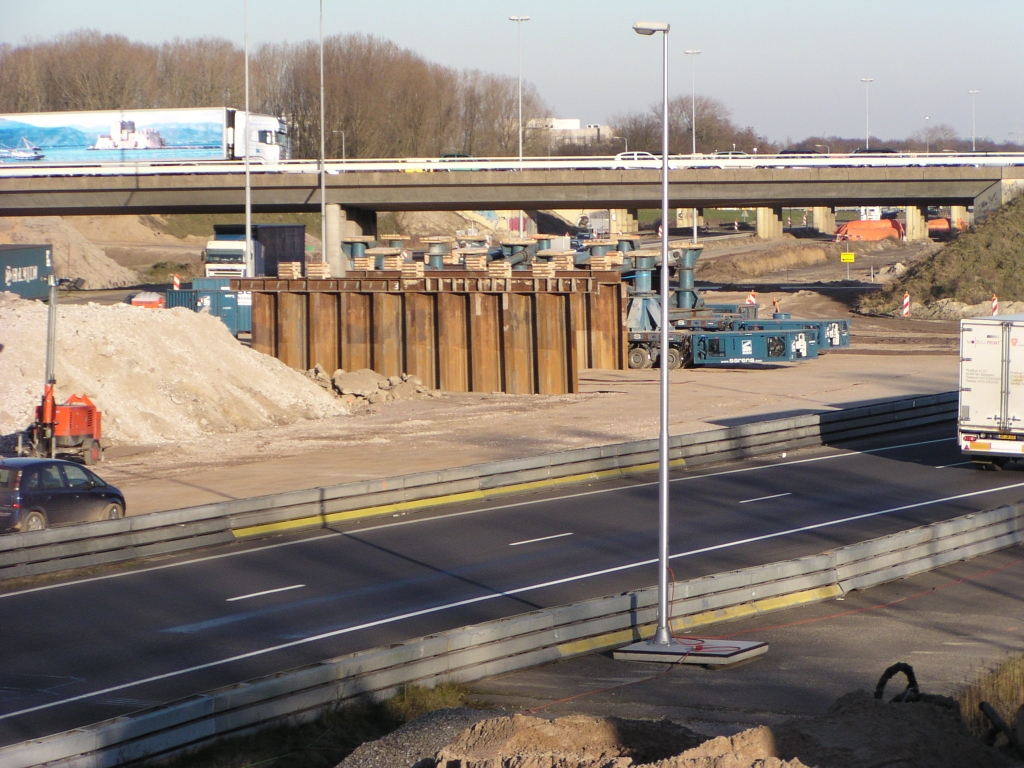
[{"x": 226, "y": 258}]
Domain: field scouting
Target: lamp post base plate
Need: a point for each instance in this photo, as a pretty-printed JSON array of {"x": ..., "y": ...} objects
[{"x": 693, "y": 651}]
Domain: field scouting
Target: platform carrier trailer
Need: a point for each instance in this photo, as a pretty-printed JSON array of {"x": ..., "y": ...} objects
[
  {"x": 141, "y": 136},
  {"x": 991, "y": 419}
]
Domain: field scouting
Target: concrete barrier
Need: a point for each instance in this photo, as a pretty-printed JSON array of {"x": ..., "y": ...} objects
[
  {"x": 157, "y": 533},
  {"x": 517, "y": 642}
]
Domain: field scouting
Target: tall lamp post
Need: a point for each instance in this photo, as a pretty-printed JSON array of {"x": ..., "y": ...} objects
[
  {"x": 323, "y": 176},
  {"x": 663, "y": 647},
  {"x": 867, "y": 111},
  {"x": 693, "y": 119},
  {"x": 519, "y": 46},
  {"x": 974, "y": 132},
  {"x": 927, "y": 137},
  {"x": 250, "y": 261}
]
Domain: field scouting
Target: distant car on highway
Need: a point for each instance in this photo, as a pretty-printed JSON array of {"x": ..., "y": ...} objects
[
  {"x": 38, "y": 493},
  {"x": 878, "y": 151},
  {"x": 631, "y": 160}
]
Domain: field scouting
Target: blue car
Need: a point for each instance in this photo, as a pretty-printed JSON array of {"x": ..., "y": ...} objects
[{"x": 38, "y": 493}]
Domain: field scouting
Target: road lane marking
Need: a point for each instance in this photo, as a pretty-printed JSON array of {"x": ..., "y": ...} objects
[
  {"x": 510, "y": 505},
  {"x": 265, "y": 592},
  {"x": 542, "y": 538},
  {"x": 494, "y": 596},
  {"x": 958, "y": 464},
  {"x": 765, "y": 498}
]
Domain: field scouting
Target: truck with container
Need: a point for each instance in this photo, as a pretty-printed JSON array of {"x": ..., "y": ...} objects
[
  {"x": 149, "y": 136},
  {"x": 990, "y": 423},
  {"x": 225, "y": 256}
]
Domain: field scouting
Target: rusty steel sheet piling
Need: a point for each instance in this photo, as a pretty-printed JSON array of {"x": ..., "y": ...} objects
[{"x": 458, "y": 331}]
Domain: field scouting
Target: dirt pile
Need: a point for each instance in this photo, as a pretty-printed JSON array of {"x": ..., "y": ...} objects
[
  {"x": 984, "y": 260},
  {"x": 857, "y": 732},
  {"x": 951, "y": 309},
  {"x": 741, "y": 266},
  {"x": 157, "y": 375},
  {"x": 73, "y": 254}
]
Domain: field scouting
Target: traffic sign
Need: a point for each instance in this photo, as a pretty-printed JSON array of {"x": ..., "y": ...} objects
[{"x": 846, "y": 258}]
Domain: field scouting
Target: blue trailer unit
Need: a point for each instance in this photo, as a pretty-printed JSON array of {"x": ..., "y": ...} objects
[
  {"x": 829, "y": 334},
  {"x": 24, "y": 270},
  {"x": 234, "y": 308},
  {"x": 751, "y": 347}
]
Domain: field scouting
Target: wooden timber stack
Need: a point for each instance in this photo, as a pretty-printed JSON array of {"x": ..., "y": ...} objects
[{"x": 457, "y": 330}]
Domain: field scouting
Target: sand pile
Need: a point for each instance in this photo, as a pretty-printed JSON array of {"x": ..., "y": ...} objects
[
  {"x": 157, "y": 375},
  {"x": 73, "y": 255},
  {"x": 951, "y": 309},
  {"x": 857, "y": 732},
  {"x": 742, "y": 266}
]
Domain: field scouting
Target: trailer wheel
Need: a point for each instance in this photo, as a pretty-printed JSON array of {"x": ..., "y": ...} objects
[
  {"x": 674, "y": 358},
  {"x": 640, "y": 357},
  {"x": 92, "y": 451}
]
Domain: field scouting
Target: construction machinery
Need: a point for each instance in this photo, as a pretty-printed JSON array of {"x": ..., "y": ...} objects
[
  {"x": 705, "y": 334},
  {"x": 74, "y": 426}
]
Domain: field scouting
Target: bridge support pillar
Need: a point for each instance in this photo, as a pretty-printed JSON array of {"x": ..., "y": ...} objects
[
  {"x": 823, "y": 219},
  {"x": 333, "y": 254},
  {"x": 959, "y": 219},
  {"x": 917, "y": 225},
  {"x": 769, "y": 223}
]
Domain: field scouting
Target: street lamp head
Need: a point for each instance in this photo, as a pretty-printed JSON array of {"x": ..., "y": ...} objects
[
  {"x": 973, "y": 92},
  {"x": 867, "y": 79},
  {"x": 518, "y": 18},
  {"x": 692, "y": 51},
  {"x": 650, "y": 27}
]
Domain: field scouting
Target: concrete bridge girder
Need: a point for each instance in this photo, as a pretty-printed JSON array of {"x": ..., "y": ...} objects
[{"x": 488, "y": 190}]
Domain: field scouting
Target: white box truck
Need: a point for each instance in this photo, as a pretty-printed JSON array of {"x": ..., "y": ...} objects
[
  {"x": 141, "y": 136},
  {"x": 991, "y": 421}
]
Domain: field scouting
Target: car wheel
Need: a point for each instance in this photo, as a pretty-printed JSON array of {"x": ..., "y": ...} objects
[
  {"x": 113, "y": 511},
  {"x": 34, "y": 521}
]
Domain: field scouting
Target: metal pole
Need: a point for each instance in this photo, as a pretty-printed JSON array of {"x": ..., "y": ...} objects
[
  {"x": 974, "y": 132},
  {"x": 927, "y": 138},
  {"x": 323, "y": 176},
  {"x": 867, "y": 111},
  {"x": 663, "y": 636},
  {"x": 519, "y": 47},
  {"x": 51, "y": 330},
  {"x": 693, "y": 121},
  {"x": 250, "y": 262}
]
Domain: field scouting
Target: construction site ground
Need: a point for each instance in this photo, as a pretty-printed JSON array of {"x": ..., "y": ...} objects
[{"x": 889, "y": 358}]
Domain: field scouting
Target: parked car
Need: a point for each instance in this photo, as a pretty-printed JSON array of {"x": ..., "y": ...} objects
[
  {"x": 632, "y": 160},
  {"x": 38, "y": 493}
]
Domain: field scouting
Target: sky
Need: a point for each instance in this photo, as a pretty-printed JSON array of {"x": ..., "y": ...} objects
[{"x": 788, "y": 68}]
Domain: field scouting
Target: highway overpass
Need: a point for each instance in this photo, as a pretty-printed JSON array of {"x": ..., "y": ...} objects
[{"x": 362, "y": 188}]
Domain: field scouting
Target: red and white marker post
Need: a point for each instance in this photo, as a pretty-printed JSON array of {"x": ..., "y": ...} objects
[
  {"x": 906, "y": 303},
  {"x": 176, "y": 283},
  {"x": 752, "y": 298},
  {"x": 995, "y": 305}
]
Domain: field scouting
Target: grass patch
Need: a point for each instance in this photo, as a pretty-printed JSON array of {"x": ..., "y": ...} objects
[
  {"x": 326, "y": 741},
  {"x": 1003, "y": 688},
  {"x": 984, "y": 260}
]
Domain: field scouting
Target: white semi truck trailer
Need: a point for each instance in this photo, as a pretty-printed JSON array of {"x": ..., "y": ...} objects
[
  {"x": 142, "y": 136},
  {"x": 991, "y": 420}
]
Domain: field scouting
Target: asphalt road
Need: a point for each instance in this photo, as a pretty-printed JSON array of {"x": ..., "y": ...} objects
[{"x": 82, "y": 651}]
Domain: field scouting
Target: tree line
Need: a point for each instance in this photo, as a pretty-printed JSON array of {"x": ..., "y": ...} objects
[{"x": 380, "y": 100}]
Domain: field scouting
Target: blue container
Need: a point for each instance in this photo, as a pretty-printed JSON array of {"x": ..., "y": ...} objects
[
  {"x": 234, "y": 308},
  {"x": 24, "y": 270},
  {"x": 211, "y": 283}
]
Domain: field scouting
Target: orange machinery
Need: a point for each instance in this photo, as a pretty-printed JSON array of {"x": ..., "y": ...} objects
[{"x": 74, "y": 426}]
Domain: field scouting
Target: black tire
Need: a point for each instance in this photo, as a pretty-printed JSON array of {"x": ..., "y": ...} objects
[
  {"x": 113, "y": 511},
  {"x": 92, "y": 451},
  {"x": 675, "y": 359},
  {"x": 34, "y": 521},
  {"x": 639, "y": 357}
]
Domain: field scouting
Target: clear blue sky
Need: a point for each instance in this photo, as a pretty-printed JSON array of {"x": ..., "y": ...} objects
[{"x": 789, "y": 68}]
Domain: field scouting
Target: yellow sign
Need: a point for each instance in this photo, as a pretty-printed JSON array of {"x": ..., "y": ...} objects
[{"x": 846, "y": 258}]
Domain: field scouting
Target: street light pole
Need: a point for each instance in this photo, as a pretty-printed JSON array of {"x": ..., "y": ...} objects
[
  {"x": 927, "y": 138},
  {"x": 867, "y": 111},
  {"x": 323, "y": 176},
  {"x": 519, "y": 46},
  {"x": 693, "y": 119},
  {"x": 974, "y": 132},
  {"x": 250, "y": 261},
  {"x": 662, "y": 635}
]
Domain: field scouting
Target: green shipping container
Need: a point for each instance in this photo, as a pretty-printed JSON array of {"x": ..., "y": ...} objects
[{"x": 24, "y": 270}]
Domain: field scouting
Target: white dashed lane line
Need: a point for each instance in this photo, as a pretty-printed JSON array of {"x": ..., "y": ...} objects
[
  {"x": 765, "y": 498},
  {"x": 265, "y": 592},
  {"x": 542, "y": 538}
]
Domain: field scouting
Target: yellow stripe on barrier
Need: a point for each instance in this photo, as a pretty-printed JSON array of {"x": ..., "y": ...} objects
[
  {"x": 312, "y": 521},
  {"x": 682, "y": 623}
]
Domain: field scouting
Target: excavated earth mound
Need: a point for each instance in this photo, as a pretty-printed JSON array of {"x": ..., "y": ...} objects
[
  {"x": 157, "y": 375},
  {"x": 74, "y": 255}
]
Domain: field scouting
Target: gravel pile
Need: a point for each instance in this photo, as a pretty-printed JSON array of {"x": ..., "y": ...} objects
[
  {"x": 416, "y": 742},
  {"x": 157, "y": 375}
]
